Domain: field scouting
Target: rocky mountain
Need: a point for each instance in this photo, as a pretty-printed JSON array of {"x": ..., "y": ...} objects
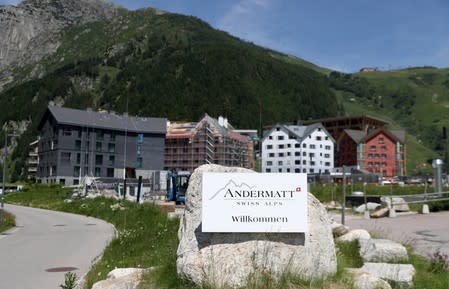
[{"x": 32, "y": 30}]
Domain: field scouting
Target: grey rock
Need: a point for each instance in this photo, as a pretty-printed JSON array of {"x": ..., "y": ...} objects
[
  {"x": 221, "y": 259},
  {"x": 339, "y": 229},
  {"x": 399, "y": 204},
  {"x": 32, "y": 29},
  {"x": 371, "y": 207},
  {"x": 400, "y": 274},
  {"x": 121, "y": 278},
  {"x": 381, "y": 250},
  {"x": 364, "y": 280},
  {"x": 383, "y": 212},
  {"x": 353, "y": 235}
]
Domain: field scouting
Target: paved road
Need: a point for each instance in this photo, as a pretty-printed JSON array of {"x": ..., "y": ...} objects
[
  {"x": 426, "y": 233},
  {"x": 44, "y": 240}
]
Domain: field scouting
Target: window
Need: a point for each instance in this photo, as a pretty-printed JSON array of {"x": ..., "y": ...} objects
[
  {"x": 140, "y": 138},
  {"x": 304, "y": 145},
  {"x": 327, "y": 147},
  {"x": 326, "y": 138},
  {"x": 304, "y": 154},
  {"x": 280, "y": 170},
  {"x": 281, "y": 146},
  {"x": 312, "y": 155},
  {"x": 297, "y": 154},
  {"x": 384, "y": 148},
  {"x": 78, "y": 145},
  {"x": 66, "y": 132},
  {"x": 381, "y": 140},
  {"x": 270, "y": 137},
  {"x": 86, "y": 158},
  {"x": 139, "y": 162},
  {"x": 76, "y": 171},
  {"x": 288, "y": 170},
  {"x": 99, "y": 159},
  {"x": 312, "y": 146},
  {"x": 112, "y": 138},
  {"x": 327, "y": 164},
  {"x": 297, "y": 145},
  {"x": 98, "y": 172},
  {"x": 110, "y": 172},
  {"x": 280, "y": 137},
  {"x": 304, "y": 162},
  {"x": 289, "y": 145},
  {"x": 98, "y": 146},
  {"x": 269, "y": 147},
  {"x": 111, "y": 148},
  {"x": 111, "y": 160},
  {"x": 65, "y": 157},
  {"x": 139, "y": 150},
  {"x": 280, "y": 163},
  {"x": 312, "y": 163},
  {"x": 373, "y": 148},
  {"x": 297, "y": 170},
  {"x": 268, "y": 170},
  {"x": 312, "y": 171},
  {"x": 78, "y": 158},
  {"x": 271, "y": 155},
  {"x": 304, "y": 170},
  {"x": 297, "y": 162},
  {"x": 281, "y": 154},
  {"x": 100, "y": 135},
  {"x": 327, "y": 156},
  {"x": 269, "y": 163},
  {"x": 288, "y": 153},
  {"x": 79, "y": 133},
  {"x": 318, "y": 138}
]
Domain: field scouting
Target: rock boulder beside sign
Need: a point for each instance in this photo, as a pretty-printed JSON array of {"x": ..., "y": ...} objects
[{"x": 230, "y": 259}]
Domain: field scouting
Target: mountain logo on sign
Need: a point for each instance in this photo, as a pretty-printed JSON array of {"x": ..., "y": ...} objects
[{"x": 232, "y": 182}]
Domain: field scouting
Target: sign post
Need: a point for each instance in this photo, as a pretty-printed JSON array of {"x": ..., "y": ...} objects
[{"x": 250, "y": 203}]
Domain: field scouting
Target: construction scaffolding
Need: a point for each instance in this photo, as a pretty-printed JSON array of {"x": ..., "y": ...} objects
[{"x": 189, "y": 145}]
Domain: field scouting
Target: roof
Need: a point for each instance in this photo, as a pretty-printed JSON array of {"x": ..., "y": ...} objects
[
  {"x": 360, "y": 136},
  {"x": 105, "y": 120},
  {"x": 343, "y": 118},
  {"x": 356, "y": 135},
  {"x": 300, "y": 131}
]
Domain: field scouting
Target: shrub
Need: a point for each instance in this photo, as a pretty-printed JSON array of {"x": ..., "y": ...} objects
[{"x": 439, "y": 262}]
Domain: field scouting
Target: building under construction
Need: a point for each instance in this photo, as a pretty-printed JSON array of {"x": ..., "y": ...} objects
[{"x": 209, "y": 141}]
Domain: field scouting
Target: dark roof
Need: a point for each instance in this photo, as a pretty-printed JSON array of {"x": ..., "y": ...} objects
[
  {"x": 300, "y": 131},
  {"x": 356, "y": 135},
  {"x": 343, "y": 118},
  {"x": 105, "y": 120}
]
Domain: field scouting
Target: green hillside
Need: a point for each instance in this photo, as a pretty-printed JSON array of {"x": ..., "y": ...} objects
[
  {"x": 415, "y": 99},
  {"x": 171, "y": 66}
]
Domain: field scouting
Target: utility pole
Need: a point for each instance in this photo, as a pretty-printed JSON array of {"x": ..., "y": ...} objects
[
  {"x": 4, "y": 176},
  {"x": 343, "y": 197}
]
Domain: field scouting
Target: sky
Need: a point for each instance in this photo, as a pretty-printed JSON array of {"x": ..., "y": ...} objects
[{"x": 343, "y": 35}]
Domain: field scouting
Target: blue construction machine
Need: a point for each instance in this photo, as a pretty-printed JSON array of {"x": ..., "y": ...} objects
[{"x": 177, "y": 183}]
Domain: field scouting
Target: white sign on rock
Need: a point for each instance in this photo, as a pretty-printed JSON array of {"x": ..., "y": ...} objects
[{"x": 248, "y": 202}]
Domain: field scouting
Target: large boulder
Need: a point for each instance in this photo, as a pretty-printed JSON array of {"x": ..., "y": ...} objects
[
  {"x": 122, "y": 278},
  {"x": 364, "y": 280},
  {"x": 229, "y": 259},
  {"x": 397, "y": 203},
  {"x": 400, "y": 274},
  {"x": 371, "y": 207},
  {"x": 382, "y": 250},
  {"x": 353, "y": 235}
]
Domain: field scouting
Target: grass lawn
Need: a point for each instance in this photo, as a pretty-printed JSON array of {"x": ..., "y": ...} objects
[{"x": 147, "y": 238}]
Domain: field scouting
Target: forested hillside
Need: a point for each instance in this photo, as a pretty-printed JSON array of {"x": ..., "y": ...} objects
[{"x": 161, "y": 64}]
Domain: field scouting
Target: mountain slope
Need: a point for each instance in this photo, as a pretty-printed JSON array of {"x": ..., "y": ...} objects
[{"x": 159, "y": 64}]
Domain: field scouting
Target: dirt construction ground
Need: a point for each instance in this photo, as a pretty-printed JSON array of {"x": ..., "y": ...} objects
[{"x": 425, "y": 233}]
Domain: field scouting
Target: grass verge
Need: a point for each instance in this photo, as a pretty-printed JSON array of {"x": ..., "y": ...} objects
[
  {"x": 8, "y": 222},
  {"x": 147, "y": 238}
]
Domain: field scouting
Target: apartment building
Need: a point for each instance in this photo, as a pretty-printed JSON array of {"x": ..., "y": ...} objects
[
  {"x": 298, "y": 149},
  {"x": 76, "y": 143}
]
